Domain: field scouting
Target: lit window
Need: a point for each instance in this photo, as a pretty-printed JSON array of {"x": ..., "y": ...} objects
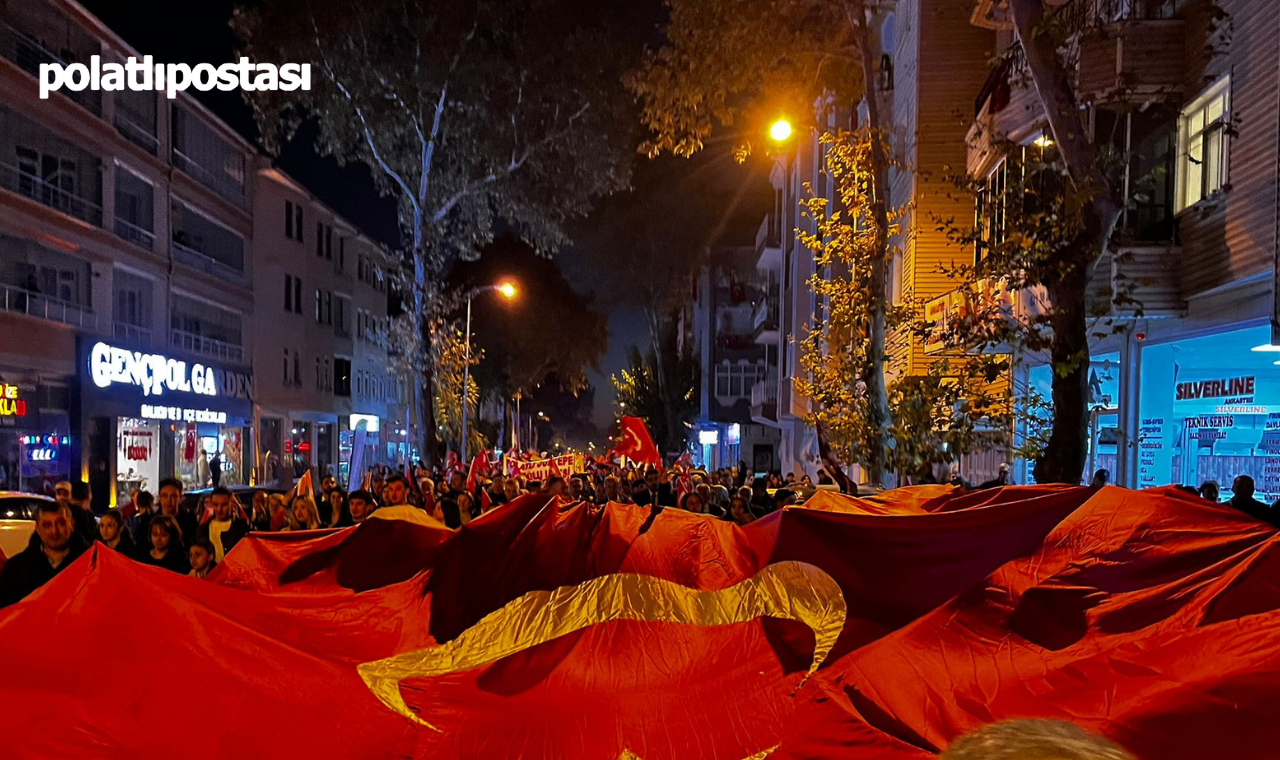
[{"x": 1202, "y": 144}]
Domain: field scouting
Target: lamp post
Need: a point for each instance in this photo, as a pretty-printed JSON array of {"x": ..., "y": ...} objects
[{"x": 508, "y": 291}]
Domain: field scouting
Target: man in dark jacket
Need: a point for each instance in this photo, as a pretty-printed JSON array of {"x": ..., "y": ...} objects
[
  {"x": 170, "y": 498},
  {"x": 225, "y": 529},
  {"x": 1242, "y": 499},
  {"x": 81, "y": 505},
  {"x": 55, "y": 546}
]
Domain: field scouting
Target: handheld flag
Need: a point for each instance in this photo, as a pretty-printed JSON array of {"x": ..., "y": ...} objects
[{"x": 634, "y": 442}]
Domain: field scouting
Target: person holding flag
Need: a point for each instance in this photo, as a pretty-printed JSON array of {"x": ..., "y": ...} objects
[
  {"x": 479, "y": 467},
  {"x": 635, "y": 443}
]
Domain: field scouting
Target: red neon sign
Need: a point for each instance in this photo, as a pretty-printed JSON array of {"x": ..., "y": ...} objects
[{"x": 10, "y": 404}]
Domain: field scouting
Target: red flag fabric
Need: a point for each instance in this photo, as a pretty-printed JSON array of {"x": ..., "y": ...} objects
[
  {"x": 874, "y": 629},
  {"x": 634, "y": 442},
  {"x": 479, "y": 466}
]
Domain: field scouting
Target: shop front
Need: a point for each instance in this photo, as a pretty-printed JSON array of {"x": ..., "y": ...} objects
[
  {"x": 35, "y": 434},
  {"x": 1105, "y": 435},
  {"x": 1210, "y": 410},
  {"x": 147, "y": 417}
]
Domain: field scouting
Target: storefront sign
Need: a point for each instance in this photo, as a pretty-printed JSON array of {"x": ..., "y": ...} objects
[
  {"x": 156, "y": 374},
  {"x": 10, "y": 403},
  {"x": 365, "y": 422},
  {"x": 1234, "y": 387},
  {"x": 42, "y": 455},
  {"x": 178, "y": 414}
]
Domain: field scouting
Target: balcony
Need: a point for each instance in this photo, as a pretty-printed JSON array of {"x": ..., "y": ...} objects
[
  {"x": 132, "y": 335},
  {"x": 764, "y": 400},
  {"x": 130, "y": 126},
  {"x": 214, "y": 349},
  {"x": 131, "y": 232},
  {"x": 35, "y": 188},
  {"x": 769, "y": 244},
  {"x": 764, "y": 320},
  {"x": 21, "y": 301},
  {"x": 1124, "y": 50},
  {"x": 205, "y": 263},
  {"x": 28, "y": 52}
]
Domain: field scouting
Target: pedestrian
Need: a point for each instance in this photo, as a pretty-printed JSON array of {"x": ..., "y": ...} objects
[
  {"x": 1242, "y": 491},
  {"x": 784, "y": 497},
  {"x": 144, "y": 508},
  {"x": 278, "y": 506},
  {"x": 215, "y": 469},
  {"x": 691, "y": 502},
  {"x": 81, "y": 504},
  {"x": 1209, "y": 490},
  {"x": 1004, "y": 477},
  {"x": 1100, "y": 479},
  {"x": 511, "y": 490},
  {"x": 396, "y": 491},
  {"x": 1033, "y": 740},
  {"x": 339, "y": 517},
  {"x": 761, "y": 501},
  {"x": 113, "y": 533},
  {"x": 226, "y": 527},
  {"x": 171, "y": 506},
  {"x": 302, "y": 514},
  {"x": 166, "y": 546},
  {"x": 740, "y": 511},
  {"x": 555, "y": 486},
  {"x": 361, "y": 504},
  {"x": 53, "y": 547},
  {"x": 201, "y": 558}
]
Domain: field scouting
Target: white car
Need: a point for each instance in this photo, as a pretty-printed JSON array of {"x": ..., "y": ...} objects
[{"x": 17, "y": 520}]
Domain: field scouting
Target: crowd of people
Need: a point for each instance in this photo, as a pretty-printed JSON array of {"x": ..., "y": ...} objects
[{"x": 192, "y": 538}]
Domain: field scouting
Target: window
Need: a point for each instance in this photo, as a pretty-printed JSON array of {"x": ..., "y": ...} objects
[
  {"x": 328, "y": 243},
  {"x": 319, "y": 307},
  {"x": 286, "y": 367},
  {"x": 340, "y": 324},
  {"x": 319, "y": 377},
  {"x": 328, "y": 308},
  {"x": 991, "y": 211},
  {"x": 341, "y": 376},
  {"x": 297, "y": 295},
  {"x": 1202, "y": 144},
  {"x": 288, "y": 292},
  {"x": 288, "y": 219},
  {"x": 319, "y": 239},
  {"x": 297, "y": 221},
  {"x": 297, "y": 369},
  {"x": 342, "y": 255}
]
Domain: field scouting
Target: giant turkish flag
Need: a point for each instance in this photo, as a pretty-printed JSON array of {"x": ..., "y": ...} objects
[{"x": 849, "y": 628}]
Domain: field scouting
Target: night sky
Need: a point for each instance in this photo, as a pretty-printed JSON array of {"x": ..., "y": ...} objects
[{"x": 200, "y": 34}]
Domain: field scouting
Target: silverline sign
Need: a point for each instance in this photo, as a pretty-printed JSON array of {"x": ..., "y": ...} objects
[{"x": 157, "y": 374}]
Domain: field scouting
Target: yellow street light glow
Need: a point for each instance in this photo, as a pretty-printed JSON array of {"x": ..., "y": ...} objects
[
  {"x": 508, "y": 290},
  {"x": 1043, "y": 141},
  {"x": 780, "y": 131}
]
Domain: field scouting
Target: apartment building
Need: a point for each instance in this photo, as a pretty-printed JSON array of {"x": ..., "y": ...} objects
[
  {"x": 1190, "y": 391},
  {"x": 125, "y": 231},
  {"x": 729, "y": 292},
  {"x": 152, "y": 305},
  {"x": 931, "y": 58},
  {"x": 325, "y": 398}
]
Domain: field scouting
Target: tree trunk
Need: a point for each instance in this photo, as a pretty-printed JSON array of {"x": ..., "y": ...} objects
[
  {"x": 877, "y": 395},
  {"x": 1064, "y": 458}
]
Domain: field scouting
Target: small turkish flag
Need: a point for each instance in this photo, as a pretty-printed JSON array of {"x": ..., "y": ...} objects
[{"x": 634, "y": 442}]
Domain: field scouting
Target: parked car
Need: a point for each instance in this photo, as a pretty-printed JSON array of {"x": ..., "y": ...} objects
[{"x": 17, "y": 520}]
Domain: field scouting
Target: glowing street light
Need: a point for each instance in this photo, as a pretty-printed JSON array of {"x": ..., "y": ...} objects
[
  {"x": 780, "y": 131},
  {"x": 508, "y": 290}
]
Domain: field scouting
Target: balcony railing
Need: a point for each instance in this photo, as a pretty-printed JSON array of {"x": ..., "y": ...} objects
[
  {"x": 1079, "y": 15},
  {"x": 224, "y": 186},
  {"x": 765, "y": 316},
  {"x": 199, "y": 344},
  {"x": 132, "y": 334},
  {"x": 765, "y": 391},
  {"x": 28, "y": 53},
  {"x": 131, "y": 232},
  {"x": 768, "y": 235},
  {"x": 35, "y": 188},
  {"x": 204, "y": 262},
  {"x": 22, "y": 301},
  {"x": 135, "y": 132}
]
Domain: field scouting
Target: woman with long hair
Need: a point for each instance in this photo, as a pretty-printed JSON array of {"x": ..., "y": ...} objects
[
  {"x": 303, "y": 514},
  {"x": 692, "y": 502},
  {"x": 166, "y": 546},
  {"x": 739, "y": 511},
  {"x": 278, "y": 507},
  {"x": 340, "y": 515}
]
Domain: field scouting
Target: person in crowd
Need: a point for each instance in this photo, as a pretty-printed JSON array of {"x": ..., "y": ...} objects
[
  {"x": 497, "y": 490},
  {"x": 663, "y": 494},
  {"x": 166, "y": 546},
  {"x": 709, "y": 505},
  {"x": 54, "y": 546},
  {"x": 1004, "y": 477},
  {"x": 449, "y": 505},
  {"x": 640, "y": 495},
  {"x": 81, "y": 504},
  {"x": 761, "y": 502},
  {"x": 740, "y": 511},
  {"x": 170, "y": 505},
  {"x": 825, "y": 480},
  {"x": 339, "y": 517},
  {"x": 1209, "y": 490},
  {"x": 612, "y": 490},
  {"x": 1242, "y": 490},
  {"x": 784, "y": 497},
  {"x": 1100, "y": 479},
  {"x": 511, "y": 490},
  {"x": 378, "y": 485},
  {"x": 62, "y": 492},
  {"x": 259, "y": 512},
  {"x": 789, "y": 481},
  {"x": 396, "y": 491},
  {"x": 113, "y": 532},
  {"x": 692, "y": 502},
  {"x": 303, "y": 514},
  {"x": 278, "y": 506},
  {"x": 360, "y": 504},
  {"x": 226, "y": 527},
  {"x": 144, "y": 504},
  {"x": 956, "y": 479},
  {"x": 201, "y": 558},
  {"x": 556, "y": 486},
  {"x": 1033, "y": 739},
  {"x": 467, "y": 509},
  {"x": 578, "y": 490}
]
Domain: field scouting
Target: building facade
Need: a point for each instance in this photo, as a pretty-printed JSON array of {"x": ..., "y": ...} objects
[
  {"x": 729, "y": 292},
  {"x": 128, "y": 277},
  {"x": 1189, "y": 391}
]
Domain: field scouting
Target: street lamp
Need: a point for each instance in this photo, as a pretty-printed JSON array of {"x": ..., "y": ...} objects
[
  {"x": 507, "y": 289},
  {"x": 780, "y": 131}
]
